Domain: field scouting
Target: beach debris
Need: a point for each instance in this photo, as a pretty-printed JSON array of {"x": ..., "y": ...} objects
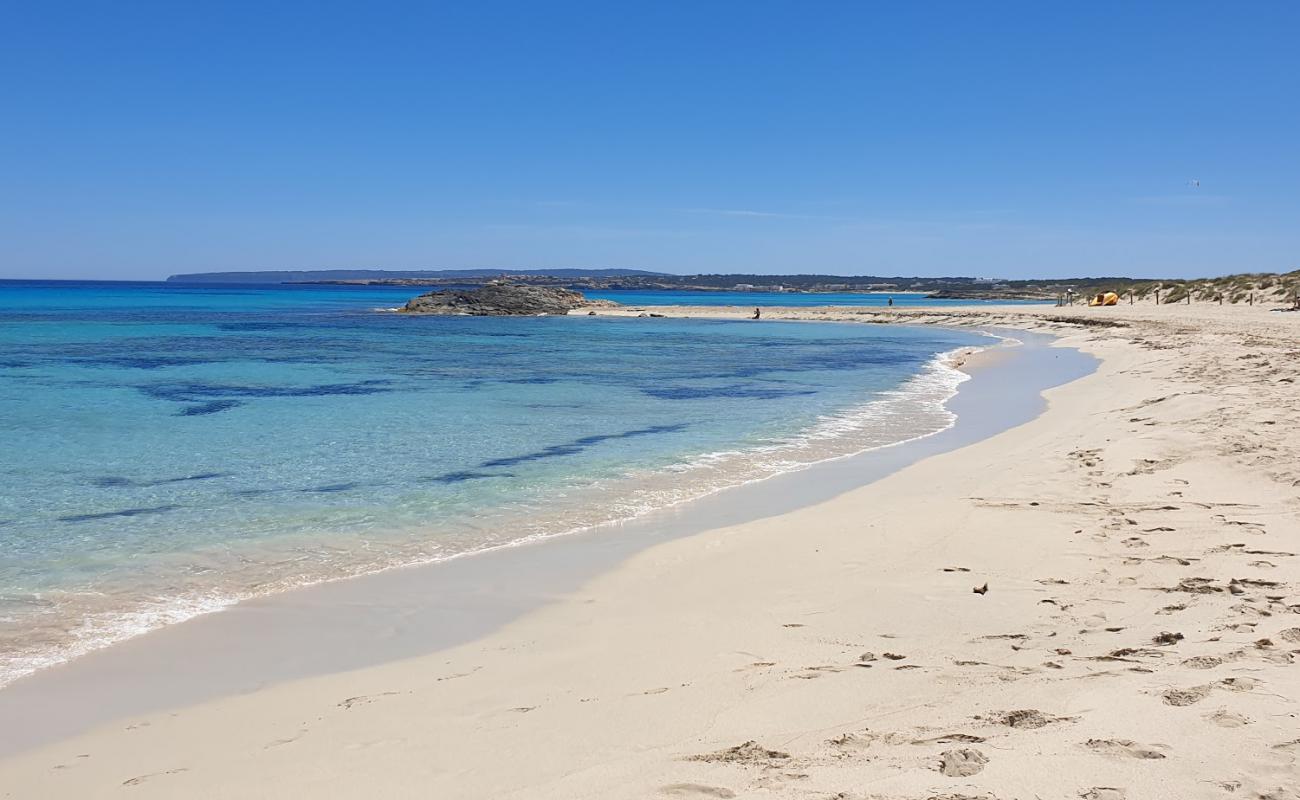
[
  {"x": 866, "y": 657},
  {"x": 1289, "y": 635},
  {"x": 962, "y": 762},
  {"x": 750, "y": 753},
  {"x": 1135, "y": 651},
  {"x": 981, "y": 589},
  {"x": 1196, "y": 586},
  {"x": 1167, "y": 638},
  {"x": 1103, "y": 793},
  {"x": 894, "y": 656}
]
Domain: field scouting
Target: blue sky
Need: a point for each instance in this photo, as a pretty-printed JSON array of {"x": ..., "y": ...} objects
[{"x": 997, "y": 139}]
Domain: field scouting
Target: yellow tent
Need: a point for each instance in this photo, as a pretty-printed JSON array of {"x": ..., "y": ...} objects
[{"x": 1107, "y": 299}]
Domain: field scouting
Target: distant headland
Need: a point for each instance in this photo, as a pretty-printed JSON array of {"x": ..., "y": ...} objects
[{"x": 1248, "y": 287}]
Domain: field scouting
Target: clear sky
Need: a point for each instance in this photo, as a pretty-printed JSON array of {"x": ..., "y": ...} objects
[{"x": 1005, "y": 139}]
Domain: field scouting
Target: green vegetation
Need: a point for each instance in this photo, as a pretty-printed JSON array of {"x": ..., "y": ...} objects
[{"x": 1259, "y": 287}]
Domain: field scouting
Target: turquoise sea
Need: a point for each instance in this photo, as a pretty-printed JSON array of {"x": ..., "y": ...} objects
[{"x": 167, "y": 450}]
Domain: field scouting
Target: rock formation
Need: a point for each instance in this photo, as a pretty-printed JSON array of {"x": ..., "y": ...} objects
[{"x": 500, "y": 299}]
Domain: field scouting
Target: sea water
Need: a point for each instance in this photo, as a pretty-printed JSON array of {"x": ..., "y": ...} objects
[{"x": 169, "y": 450}]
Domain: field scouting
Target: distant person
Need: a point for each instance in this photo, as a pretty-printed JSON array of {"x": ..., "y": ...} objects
[
  {"x": 891, "y": 302},
  {"x": 757, "y": 314}
]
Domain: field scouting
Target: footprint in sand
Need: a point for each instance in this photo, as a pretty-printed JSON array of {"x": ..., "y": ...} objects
[
  {"x": 1291, "y": 746},
  {"x": 750, "y": 753},
  {"x": 1124, "y": 748},
  {"x": 1225, "y": 719},
  {"x": 363, "y": 699},
  {"x": 847, "y": 743},
  {"x": 139, "y": 779},
  {"x": 1186, "y": 697},
  {"x": 695, "y": 790},
  {"x": 70, "y": 766},
  {"x": 287, "y": 740},
  {"x": 1103, "y": 793},
  {"x": 962, "y": 763},
  {"x": 1025, "y": 719},
  {"x": 1238, "y": 684},
  {"x": 1209, "y": 662}
]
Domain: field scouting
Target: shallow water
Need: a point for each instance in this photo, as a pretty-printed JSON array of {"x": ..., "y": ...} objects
[{"x": 168, "y": 451}]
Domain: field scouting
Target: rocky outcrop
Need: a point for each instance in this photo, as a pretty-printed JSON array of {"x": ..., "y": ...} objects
[{"x": 500, "y": 299}]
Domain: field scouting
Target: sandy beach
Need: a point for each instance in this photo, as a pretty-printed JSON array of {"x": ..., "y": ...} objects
[{"x": 1101, "y": 603}]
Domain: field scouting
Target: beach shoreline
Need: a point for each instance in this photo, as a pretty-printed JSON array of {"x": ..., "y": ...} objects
[
  {"x": 423, "y": 457},
  {"x": 297, "y": 631},
  {"x": 1136, "y": 540}
]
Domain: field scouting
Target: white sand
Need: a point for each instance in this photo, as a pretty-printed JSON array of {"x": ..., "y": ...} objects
[{"x": 1139, "y": 543}]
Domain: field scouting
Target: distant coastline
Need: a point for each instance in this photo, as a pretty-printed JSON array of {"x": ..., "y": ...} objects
[{"x": 1241, "y": 288}]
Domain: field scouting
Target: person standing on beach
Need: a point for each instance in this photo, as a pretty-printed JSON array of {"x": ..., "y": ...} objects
[
  {"x": 891, "y": 302},
  {"x": 757, "y": 313}
]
